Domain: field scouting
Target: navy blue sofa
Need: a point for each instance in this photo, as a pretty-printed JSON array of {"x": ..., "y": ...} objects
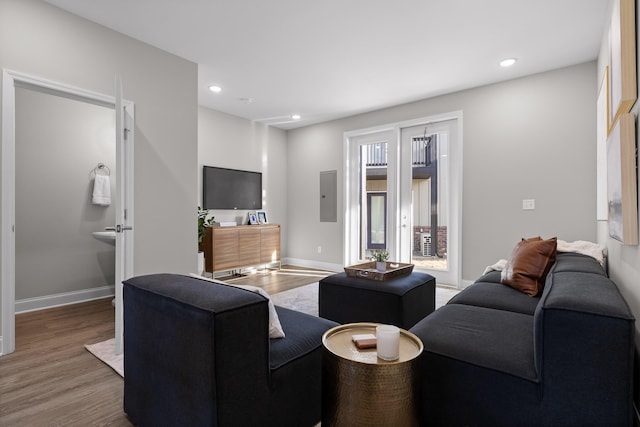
[
  {"x": 495, "y": 356},
  {"x": 199, "y": 354}
]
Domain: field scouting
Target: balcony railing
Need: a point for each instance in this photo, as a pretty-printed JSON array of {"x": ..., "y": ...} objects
[
  {"x": 376, "y": 154},
  {"x": 423, "y": 151}
]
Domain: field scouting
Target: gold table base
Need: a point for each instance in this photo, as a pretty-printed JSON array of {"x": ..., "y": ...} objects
[{"x": 358, "y": 389}]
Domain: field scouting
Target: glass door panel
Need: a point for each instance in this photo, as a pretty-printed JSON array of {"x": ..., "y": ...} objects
[
  {"x": 369, "y": 177},
  {"x": 373, "y": 190},
  {"x": 376, "y": 220},
  {"x": 426, "y": 199},
  {"x": 429, "y": 219}
]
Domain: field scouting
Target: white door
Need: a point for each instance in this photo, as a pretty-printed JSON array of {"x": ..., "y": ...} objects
[
  {"x": 124, "y": 196},
  {"x": 124, "y": 204},
  {"x": 370, "y": 180},
  {"x": 429, "y": 199}
]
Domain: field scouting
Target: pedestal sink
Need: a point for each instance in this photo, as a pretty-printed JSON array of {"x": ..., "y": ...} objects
[{"x": 105, "y": 236}]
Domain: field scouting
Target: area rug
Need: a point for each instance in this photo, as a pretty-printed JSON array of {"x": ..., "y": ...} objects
[
  {"x": 106, "y": 352},
  {"x": 304, "y": 299}
]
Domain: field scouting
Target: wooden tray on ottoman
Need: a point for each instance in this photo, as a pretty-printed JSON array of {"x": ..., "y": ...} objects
[{"x": 368, "y": 271}]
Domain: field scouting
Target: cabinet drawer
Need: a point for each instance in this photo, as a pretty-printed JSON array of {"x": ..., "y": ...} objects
[
  {"x": 270, "y": 245},
  {"x": 225, "y": 248},
  {"x": 249, "y": 247}
]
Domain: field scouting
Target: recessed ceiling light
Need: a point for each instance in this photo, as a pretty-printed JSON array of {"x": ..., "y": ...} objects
[
  {"x": 508, "y": 62},
  {"x": 215, "y": 89},
  {"x": 296, "y": 116}
]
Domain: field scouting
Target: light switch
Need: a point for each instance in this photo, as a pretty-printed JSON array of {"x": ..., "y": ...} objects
[{"x": 528, "y": 204}]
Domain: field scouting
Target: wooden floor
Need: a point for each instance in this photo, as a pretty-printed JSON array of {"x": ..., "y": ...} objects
[{"x": 52, "y": 380}]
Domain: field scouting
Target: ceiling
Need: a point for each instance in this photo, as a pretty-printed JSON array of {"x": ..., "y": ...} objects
[{"x": 328, "y": 59}]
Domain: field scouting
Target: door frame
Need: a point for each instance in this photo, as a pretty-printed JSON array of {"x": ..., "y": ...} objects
[
  {"x": 10, "y": 80},
  {"x": 352, "y": 198},
  {"x": 352, "y": 201},
  {"x": 452, "y": 274}
]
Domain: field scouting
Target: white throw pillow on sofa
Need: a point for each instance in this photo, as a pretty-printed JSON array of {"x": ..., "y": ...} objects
[{"x": 275, "y": 328}]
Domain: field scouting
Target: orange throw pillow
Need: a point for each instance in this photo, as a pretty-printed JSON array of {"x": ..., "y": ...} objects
[{"x": 529, "y": 264}]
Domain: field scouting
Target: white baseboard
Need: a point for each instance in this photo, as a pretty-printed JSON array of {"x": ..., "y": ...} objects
[
  {"x": 313, "y": 264},
  {"x": 57, "y": 300},
  {"x": 1, "y": 347}
]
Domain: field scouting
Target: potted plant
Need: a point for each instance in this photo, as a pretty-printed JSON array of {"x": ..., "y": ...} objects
[
  {"x": 380, "y": 256},
  {"x": 204, "y": 221}
]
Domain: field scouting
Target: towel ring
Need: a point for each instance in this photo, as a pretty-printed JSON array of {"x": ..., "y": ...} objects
[{"x": 101, "y": 167}]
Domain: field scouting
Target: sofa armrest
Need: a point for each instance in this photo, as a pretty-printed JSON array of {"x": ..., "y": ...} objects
[
  {"x": 584, "y": 348},
  {"x": 194, "y": 347}
]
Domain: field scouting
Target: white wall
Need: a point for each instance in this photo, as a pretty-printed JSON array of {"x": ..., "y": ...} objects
[
  {"x": 58, "y": 143},
  {"x": 528, "y": 138},
  {"x": 624, "y": 260},
  {"x": 41, "y": 40},
  {"x": 236, "y": 143}
]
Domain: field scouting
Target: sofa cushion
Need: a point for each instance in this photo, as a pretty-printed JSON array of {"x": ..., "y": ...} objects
[
  {"x": 295, "y": 363},
  {"x": 492, "y": 276},
  {"x": 495, "y": 339},
  {"x": 498, "y": 296},
  {"x": 570, "y": 261},
  {"x": 529, "y": 264},
  {"x": 598, "y": 295},
  {"x": 304, "y": 335}
]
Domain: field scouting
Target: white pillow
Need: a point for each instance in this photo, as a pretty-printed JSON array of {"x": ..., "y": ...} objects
[{"x": 275, "y": 328}]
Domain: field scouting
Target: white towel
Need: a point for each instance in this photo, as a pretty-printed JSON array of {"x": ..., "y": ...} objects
[{"x": 101, "y": 191}]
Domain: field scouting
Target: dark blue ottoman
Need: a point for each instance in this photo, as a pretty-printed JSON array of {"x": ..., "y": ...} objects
[{"x": 400, "y": 301}]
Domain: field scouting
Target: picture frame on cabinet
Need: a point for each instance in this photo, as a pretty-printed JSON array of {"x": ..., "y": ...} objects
[
  {"x": 262, "y": 217},
  {"x": 253, "y": 218}
]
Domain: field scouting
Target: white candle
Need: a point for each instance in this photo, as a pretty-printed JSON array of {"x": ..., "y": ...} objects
[{"x": 388, "y": 342}]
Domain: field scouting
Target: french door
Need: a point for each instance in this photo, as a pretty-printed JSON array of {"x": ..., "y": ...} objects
[{"x": 403, "y": 193}]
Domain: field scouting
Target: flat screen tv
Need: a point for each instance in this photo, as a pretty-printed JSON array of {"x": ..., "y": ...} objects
[{"x": 231, "y": 189}]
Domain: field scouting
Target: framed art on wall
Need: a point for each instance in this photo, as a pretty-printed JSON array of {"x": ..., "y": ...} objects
[
  {"x": 622, "y": 60},
  {"x": 602, "y": 130},
  {"x": 622, "y": 193}
]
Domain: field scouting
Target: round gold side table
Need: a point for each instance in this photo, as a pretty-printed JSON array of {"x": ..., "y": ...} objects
[{"x": 359, "y": 389}]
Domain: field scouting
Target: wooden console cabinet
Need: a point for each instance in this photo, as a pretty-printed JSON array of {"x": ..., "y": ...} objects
[{"x": 232, "y": 248}]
